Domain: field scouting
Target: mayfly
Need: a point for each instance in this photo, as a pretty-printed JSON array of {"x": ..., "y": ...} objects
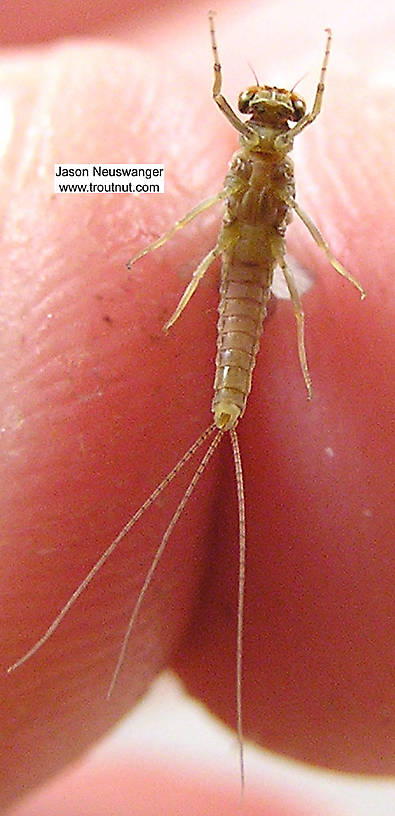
[{"x": 259, "y": 198}]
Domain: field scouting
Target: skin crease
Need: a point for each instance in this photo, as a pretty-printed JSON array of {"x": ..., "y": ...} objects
[{"x": 98, "y": 406}]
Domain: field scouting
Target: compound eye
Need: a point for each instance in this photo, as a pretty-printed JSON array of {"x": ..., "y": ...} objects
[
  {"x": 299, "y": 109},
  {"x": 244, "y": 101}
]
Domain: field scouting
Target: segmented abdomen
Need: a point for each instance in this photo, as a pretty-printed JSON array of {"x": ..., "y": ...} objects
[{"x": 252, "y": 243}]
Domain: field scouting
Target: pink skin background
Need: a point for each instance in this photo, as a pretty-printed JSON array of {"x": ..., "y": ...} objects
[{"x": 97, "y": 405}]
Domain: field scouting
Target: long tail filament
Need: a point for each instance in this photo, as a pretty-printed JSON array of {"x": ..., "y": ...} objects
[
  {"x": 240, "y": 604},
  {"x": 103, "y": 558},
  {"x": 196, "y": 476}
]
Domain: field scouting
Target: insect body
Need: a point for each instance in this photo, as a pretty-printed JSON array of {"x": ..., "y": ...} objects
[{"x": 259, "y": 194}]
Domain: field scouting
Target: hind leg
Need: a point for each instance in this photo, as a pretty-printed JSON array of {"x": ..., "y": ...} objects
[
  {"x": 320, "y": 240},
  {"x": 299, "y": 315},
  {"x": 193, "y": 284}
]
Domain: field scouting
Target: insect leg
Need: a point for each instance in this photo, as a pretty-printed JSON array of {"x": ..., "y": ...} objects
[
  {"x": 319, "y": 239},
  {"x": 189, "y": 216},
  {"x": 217, "y": 95},
  {"x": 321, "y": 82},
  {"x": 299, "y": 314},
  {"x": 193, "y": 284},
  {"x": 309, "y": 117}
]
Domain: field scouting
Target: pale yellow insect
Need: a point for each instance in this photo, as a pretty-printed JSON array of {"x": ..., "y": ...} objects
[{"x": 259, "y": 195}]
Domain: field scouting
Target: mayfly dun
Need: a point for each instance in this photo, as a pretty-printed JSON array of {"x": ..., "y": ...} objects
[{"x": 259, "y": 201}]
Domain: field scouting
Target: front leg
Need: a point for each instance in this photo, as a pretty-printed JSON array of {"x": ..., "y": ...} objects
[
  {"x": 286, "y": 139},
  {"x": 220, "y": 100}
]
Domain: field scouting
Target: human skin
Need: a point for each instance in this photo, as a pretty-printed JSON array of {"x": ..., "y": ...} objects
[{"x": 98, "y": 406}]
